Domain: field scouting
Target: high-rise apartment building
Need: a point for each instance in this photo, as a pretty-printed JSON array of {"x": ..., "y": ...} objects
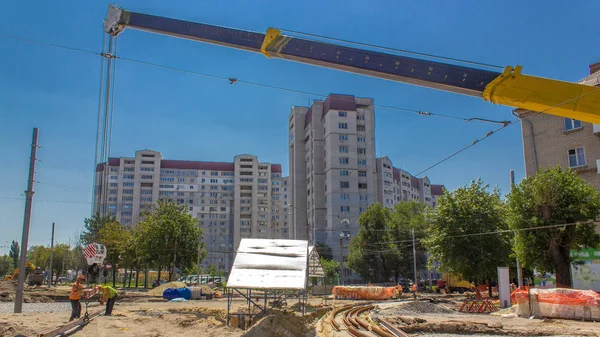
[
  {"x": 232, "y": 200},
  {"x": 549, "y": 140},
  {"x": 395, "y": 185},
  {"x": 332, "y": 168}
]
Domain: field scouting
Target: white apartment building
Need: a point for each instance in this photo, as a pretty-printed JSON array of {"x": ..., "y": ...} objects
[
  {"x": 232, "y": 200},
  {"x": 395, "y": 185},
  {"x": 332, "y": 176}
]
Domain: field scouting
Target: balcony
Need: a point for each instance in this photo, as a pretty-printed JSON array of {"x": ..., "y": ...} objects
[{"x": 596, "y": 129}]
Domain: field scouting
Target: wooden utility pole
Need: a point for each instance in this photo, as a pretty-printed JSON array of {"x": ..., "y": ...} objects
[{"x": 26, "y": 222}]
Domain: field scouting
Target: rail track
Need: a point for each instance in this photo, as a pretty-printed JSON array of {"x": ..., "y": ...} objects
[{"x": 357, "y": 326}]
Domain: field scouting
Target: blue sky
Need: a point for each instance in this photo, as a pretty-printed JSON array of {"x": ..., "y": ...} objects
[{"x": 195, "y": 118}]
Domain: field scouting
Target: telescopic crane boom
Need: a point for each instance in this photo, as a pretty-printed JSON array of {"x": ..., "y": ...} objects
[{"x": 509, "y": 87}]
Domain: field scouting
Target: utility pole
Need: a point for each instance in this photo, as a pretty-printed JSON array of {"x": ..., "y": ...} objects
[
  {"x": 51, "y": 254},
  {"x": 414, "y": 255},
  {"x": 199, "y": 247},
  {"x": 26, "y": 222},
  {"x": 519, "y": 270},
  {"x": 342, "y": 258}
]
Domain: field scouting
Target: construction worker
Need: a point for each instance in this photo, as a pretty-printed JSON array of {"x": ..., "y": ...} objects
[
  {"x": 413, "y": 290},
  {"x": 75, "y": 297},
  {"x": 109, "y": 296}
]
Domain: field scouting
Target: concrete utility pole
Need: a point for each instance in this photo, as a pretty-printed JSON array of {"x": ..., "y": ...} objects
[
  {"x": 519, "y": 270},
  {"x": 199, "y": 248},
  {"x": 51, "y": 254},
  {"x": 414, "y": 255},
  {"x": 26, "y": 222}
]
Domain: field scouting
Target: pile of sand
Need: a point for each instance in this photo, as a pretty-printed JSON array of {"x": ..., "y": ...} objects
[
  {"x": 158, "y": 291},
  {"x": 279, "y": 324}
]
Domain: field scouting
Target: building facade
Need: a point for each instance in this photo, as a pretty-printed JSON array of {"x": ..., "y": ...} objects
[
  {"x": 395, "y": 185},
  {"x": 549, "y": 141},
  {"x": 332, "y": 174},
  {"x": 231, "y": 200}
]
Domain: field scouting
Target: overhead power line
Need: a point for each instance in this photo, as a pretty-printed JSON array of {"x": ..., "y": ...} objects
[{"x": 232, "y": 81}]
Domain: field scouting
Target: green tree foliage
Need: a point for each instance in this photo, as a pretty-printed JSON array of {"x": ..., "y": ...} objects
[
  {"x": 212, "y": 270},
  {"x": 553, "y": 197},
  {"x": 331, "y": 268},
  {"x": 14, "y": 253},
  {"x": 373, "y": 256},
  {"x": 6, "y": 265},
  {"x": 408, "y": 216},
  {"x": 454, "y": 238},
  {"x": 62, "y": 255},
  {"x": 169, "y": 236},
  {"x": 39, "y": 256},
  {"x": 115, "y": 238},
  {"x": 93, "y": 226}
]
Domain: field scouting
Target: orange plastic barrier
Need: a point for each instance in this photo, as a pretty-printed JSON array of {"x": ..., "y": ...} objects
[
  {"x": 558, "y": 303},
  {"x": 365, "y": 293}
]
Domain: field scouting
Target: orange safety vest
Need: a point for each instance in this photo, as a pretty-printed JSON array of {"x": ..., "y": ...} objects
[{"x": 76, "y": 292}]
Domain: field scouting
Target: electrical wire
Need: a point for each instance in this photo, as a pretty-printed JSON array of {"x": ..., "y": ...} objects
[
  {"x": 261, "y": 85},
  {"x": 49, "y": 44}
]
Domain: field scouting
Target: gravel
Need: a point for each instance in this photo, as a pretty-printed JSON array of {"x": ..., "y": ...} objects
[
  {"x": 419, "y": 307},
  {"x": 8, "y": 307}
]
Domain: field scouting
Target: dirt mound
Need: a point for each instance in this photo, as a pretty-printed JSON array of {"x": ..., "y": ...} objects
[
  {"x": 419, "y": 307},
  {"x": 8, "y": 286},
  {"x": 158, "y": 291},
  {"x": 278, "y": 325}
]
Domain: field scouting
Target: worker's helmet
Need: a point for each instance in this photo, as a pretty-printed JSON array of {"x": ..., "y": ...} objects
[{"x": 81, "y": 277}]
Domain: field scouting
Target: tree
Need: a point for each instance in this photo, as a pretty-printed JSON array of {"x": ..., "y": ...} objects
[
  {"x": 114, "y": 237},
  {"x": 331, "y": 268},
  {"x": 92, "y": 227},
  {"x": 406, "y": 217},
  {"x": 372, "y": 254},
  {"x": 553, "y": 198},
  {"x": 14, "y": 253},
  {"x": 39, "y": 256},
  {"x": 212, "y": 270},
  {"x": 170, "y": 236},
  {"x": 6, "y": 265},
  {"x": 455, "y": 237}
]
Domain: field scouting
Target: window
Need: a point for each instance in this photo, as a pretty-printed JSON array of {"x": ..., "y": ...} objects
[
  {"x": 343, "y": 137},
  {"x": 360, "y": 128},
  {"x": 214, "y": 181},
  {"x": 112, "y": 191},
  {"x": 361, "y": 151},
  {"x": 360, "y": 117},
  {"x": 170, "y": 179},
  {"x": 343, "y": 149},
  {"x": 147, "y": 162},
  {"x": 146, "y": 192},
  {"x": 362, "y": 210},
  {"x": 127, "y": 191},
  {"x": 360, "y": 139},
  {"x": 362, "y": 173},
  {"x": 112, "y": 199},
  {"x": 127, "y": 206},
  {"x": 147, "y": 169},
  {"x": 113, "y": 184},
  {"x": 576, "y": 157},
  {"x": 342, "y": 114},
  {"x": 344, "y": 184},
  {"x": 214, "y": 173},
  {"x": 127, "y": 184},
  {"x": 180, "y": 180},
  {"x": 362, "y": 185},
  {"x": 344, "y": 173},
  {"x": 363, "y": 198},
  {"x": 147, "y": 199},
  {"x": 342, "y": 125},
  {"x": 146, "y": 176},
  {"x": 166, "y": 186},
  {"x": 127, "y": 199},
  {"x": 572, "y": 124},
  {"x": 344, "y": 208},
  {"x": 362, "y": 162},
  {"x": 129, "y": 169},
  {"x": 128, "y": 176},
  {"x": 343, "y": 160},
  {"x": 345, "y": 196}
]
